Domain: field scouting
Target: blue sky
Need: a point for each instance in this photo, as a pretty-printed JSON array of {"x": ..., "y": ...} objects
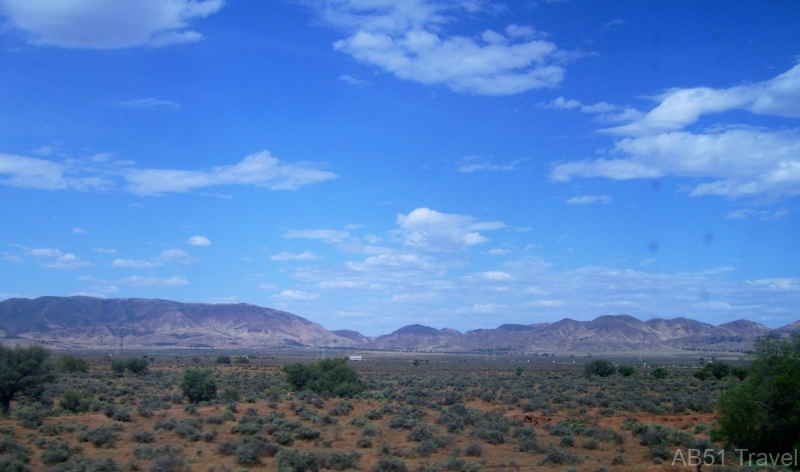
[{"x": 368, "y": 164}]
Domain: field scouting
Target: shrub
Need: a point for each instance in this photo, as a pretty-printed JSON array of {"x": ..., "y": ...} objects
[
  {"x": 660, "y": 373},
  {"x": 223, "y": 360},
  {"x": 137, "y": 365},
  {"x": 101, "y": 436},
  {"x": 290, "y": 460},
  {"x": 71, "y": 401},
  {"x": 72, "y": 364},
  {"x": 390, "y": 464},
  {"x": 118, "y": 366},
  {"x": 168, "y": 463},
  {"x": 143, "y": 437},
  {"x": 241, "y": 360},
  {"x": 473, "y": 450},
  {"x": 326, "y": 377},
  {"x": 601, "y": 367},
  {"x": 337, "y": 460},
  {"x": 626, "y": 370},
  {"x": 198, "y": 385},
  {"x": 58, "y": 451},
  {"x": 341, "y": 409}
]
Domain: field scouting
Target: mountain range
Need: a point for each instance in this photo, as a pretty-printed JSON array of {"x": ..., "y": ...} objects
[{"x": 81, "y": 322}]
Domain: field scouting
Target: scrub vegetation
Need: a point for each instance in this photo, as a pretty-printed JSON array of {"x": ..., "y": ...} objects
[{"x": 451, "y": 413}]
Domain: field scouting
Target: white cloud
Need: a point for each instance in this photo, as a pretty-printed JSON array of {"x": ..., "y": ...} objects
[
  {"x": 295, "y": 295},
  {"x": 259, "y": 169},
  {"x": 356, "y": 82},
  {"x": 604, "y": 112},
  {"x": 134, "y": 264},
  {"x": 471, "y": 164},
  {"x": 494, "y": 276},
  {"x": 102, "y": 250},
  {"x": 330, "y": 236},
  {"x": 100, "y": 24},
  {"x": 678, "y": 108},
  {"x": 178, "y": 255},
  {"x": 138, "y": 281},
  {"x": 199, "y": 241},
  {"x": 67, "y": 261},
  {"x": 590, "y": 199},
  {"x": 406, "y": 38},
  {"x": 348, "y": 284},
  {"x": 762, "y": 215},
  {"x": 498, "y": 252},
  {"x": 430, "y": 230},
  {"x": 288, "y": 256},
  {"x": 147, "y": 104},
  {"x": 31, "y": 172},
  {"x": 77, "y": 230},
  {"x": 49, "y": 257},
  {"x": 734, "y": 161}
]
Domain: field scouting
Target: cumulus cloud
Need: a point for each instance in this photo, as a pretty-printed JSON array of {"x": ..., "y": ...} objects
[
  {"x": 407, "y": 38},
  {"x": 47, "y": 257},
  {"x": 105, "y": 174},
  {"x": 431, "y": 230},
  {"x": 199, "y": 241},
  {"x": 99, "y": 24},
  {"x": 732, "y": 161},
  {"x": 288, "y": 256},
  {"x": 77, "y": 230},
  {"x": 589, "y": 199}
]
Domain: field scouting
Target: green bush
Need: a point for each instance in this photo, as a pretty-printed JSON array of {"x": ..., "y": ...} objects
[
  {"x": 198, "y": 385},
  {"x": 626, "y": 370},
  {"x": 660, "y": 373},
  {"x": 71, "y": 401},
  {"x": 137, "y": 365},
  {"x": 22, "y": 371},
  {"x": 72, "y": 364},
  {"x": 762, "y": 413},
  {"x": 223, "y": 360},
  {"x": 241, "y": 360},
  {"x": 601, "y": 367},
  {"x": 332, "y": 377}
]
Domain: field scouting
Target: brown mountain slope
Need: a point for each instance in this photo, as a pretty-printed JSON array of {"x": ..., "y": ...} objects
[{"x": 85, "y": 322}]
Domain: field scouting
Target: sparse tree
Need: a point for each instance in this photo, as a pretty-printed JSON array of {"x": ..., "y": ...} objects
[{"x": 22, "y": 371}]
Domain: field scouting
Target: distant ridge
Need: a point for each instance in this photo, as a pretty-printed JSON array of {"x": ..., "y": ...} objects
[{"x": 94, "y": 323}]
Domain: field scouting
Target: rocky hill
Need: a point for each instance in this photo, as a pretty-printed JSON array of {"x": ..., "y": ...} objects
[
  {"x": 93, "y": 323},
  {"x": 85, "y": 322}
]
